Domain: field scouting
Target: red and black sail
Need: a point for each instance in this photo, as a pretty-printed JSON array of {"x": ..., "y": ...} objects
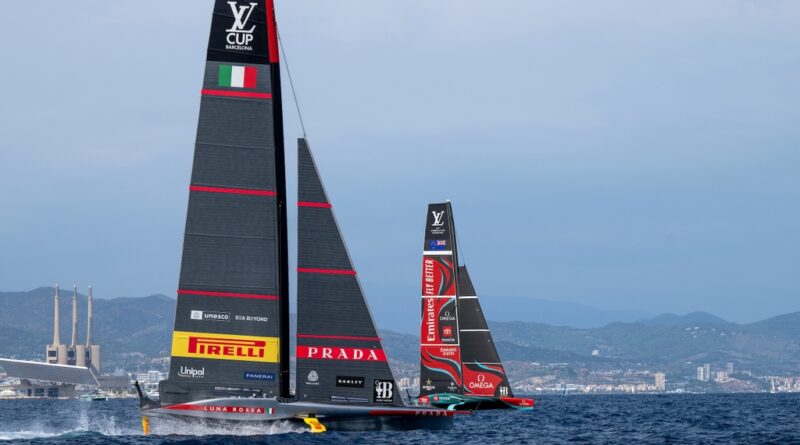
[
  {"x": 440, "y": 350},
  {"x": 231, "y": 322},
  {"x": 340, "y": 357}
]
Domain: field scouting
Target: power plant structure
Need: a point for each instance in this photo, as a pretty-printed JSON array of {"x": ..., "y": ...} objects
[{"x": 85, "y": 355}]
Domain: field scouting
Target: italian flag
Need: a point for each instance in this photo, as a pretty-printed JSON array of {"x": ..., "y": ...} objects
[
  {"x": 271, "y": 410},
  {"x": 233, "y": 76}
]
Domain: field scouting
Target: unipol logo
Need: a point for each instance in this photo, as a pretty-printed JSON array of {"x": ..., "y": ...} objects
[
  {"x": 188, "y": 371},
  {"x": 438, "y": 218},
  {"x": 240, "y": 37}
]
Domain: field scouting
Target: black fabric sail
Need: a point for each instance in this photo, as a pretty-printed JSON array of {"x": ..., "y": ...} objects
[
  {"x": 231, "y": 322},
  {"x": 440, "y": 351},
  {"x": 340, "y": 357},
  {"x": 482, "y": 371}
]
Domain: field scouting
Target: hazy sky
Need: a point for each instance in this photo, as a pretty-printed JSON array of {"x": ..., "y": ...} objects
[{"x": 618, "y": 154}]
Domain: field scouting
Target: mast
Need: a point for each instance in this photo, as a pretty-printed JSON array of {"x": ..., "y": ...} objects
[{"x": 280, "y": 173}]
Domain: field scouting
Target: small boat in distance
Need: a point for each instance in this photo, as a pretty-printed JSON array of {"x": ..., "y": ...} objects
[
  {"x": 94, "y": 397},
  {"x": 230, "y": 343},
  {"x": 459, "y": 364}
]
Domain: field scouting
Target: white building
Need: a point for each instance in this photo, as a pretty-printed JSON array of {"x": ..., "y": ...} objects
[{"x": 661, "y": 381}]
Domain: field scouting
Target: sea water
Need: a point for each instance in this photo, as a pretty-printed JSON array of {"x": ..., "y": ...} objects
[{"x": 608, "y": 419}]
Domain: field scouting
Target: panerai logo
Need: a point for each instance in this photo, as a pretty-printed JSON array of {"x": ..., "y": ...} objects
[
  {"x": 188, "y": 371},
  {"x": 239, "y": 36},
  {"x": 438, "y": 218}
]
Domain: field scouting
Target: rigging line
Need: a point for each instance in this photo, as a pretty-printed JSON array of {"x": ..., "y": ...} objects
[{"x": 291, "y": 83}]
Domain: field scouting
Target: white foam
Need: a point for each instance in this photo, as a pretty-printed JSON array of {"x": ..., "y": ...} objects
[{"x": 168, "y": 426}]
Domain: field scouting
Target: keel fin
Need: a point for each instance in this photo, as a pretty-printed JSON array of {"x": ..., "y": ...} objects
[
  {"x": 146, "y": 425},
  {"x": 314, "y": 424}
]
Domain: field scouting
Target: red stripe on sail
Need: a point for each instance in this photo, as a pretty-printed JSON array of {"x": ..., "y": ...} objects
[
  {"x": 314, "y": 204},
  {"x": 227, "y": 294},
  {"x": 235, "y": 191},
  {"x": 326, "y": 271},
  {"x": 272, "y": 32},
  {"x": 339, "y": 337},
  {"x": 226, "y": 93}
]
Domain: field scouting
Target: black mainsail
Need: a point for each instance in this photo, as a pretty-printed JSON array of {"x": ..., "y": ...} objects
[
  {"x": 440, "y": 350},
  {"x": 231, "y": 322},
  {"x": 340, "y": 357}
]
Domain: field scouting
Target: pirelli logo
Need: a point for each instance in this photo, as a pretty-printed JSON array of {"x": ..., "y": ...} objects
[{"x": 225, "y": 347}]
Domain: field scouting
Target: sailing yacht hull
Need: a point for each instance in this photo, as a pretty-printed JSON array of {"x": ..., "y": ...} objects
[
  {"x": 266, "y": 411},
  {"x": 474, "y": 403}
]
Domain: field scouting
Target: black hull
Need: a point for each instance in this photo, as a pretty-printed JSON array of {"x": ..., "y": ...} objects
[{"x": 262, "y": 413}]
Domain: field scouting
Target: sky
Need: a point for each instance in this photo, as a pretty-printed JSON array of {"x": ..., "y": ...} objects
[{"x": 624, "y": 155}]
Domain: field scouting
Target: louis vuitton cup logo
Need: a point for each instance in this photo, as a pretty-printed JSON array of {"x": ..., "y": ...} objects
[
  {"x": 240, "y": 37},
  {"x": 438, "y": 218}
]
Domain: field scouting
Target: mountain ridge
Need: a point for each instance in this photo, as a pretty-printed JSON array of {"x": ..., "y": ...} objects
[{"x": 132, "y": 330}]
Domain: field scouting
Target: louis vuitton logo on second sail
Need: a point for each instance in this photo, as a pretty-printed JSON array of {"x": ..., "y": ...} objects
[{"x": 438, "y": 218}]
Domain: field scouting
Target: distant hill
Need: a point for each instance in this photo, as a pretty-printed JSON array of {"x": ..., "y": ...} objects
[
  {"x": 131, "y": 330},
  {"x": 557, "y": 313},
  {"x": 684, "y": 320}
]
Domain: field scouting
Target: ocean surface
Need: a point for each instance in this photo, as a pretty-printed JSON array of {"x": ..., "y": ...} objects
[{"x": 614, "y": 419}]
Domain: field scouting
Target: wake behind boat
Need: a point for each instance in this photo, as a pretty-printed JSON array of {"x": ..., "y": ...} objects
[
  {"x": 459, "y": 364},
  {"x": 230, "y": 344}
]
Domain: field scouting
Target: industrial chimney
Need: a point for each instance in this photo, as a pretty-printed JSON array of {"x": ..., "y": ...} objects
[
  {"x": 74, "y": 315},
  {"x": 56, "y": 335},
  {"x": 89, "y": 320}
]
